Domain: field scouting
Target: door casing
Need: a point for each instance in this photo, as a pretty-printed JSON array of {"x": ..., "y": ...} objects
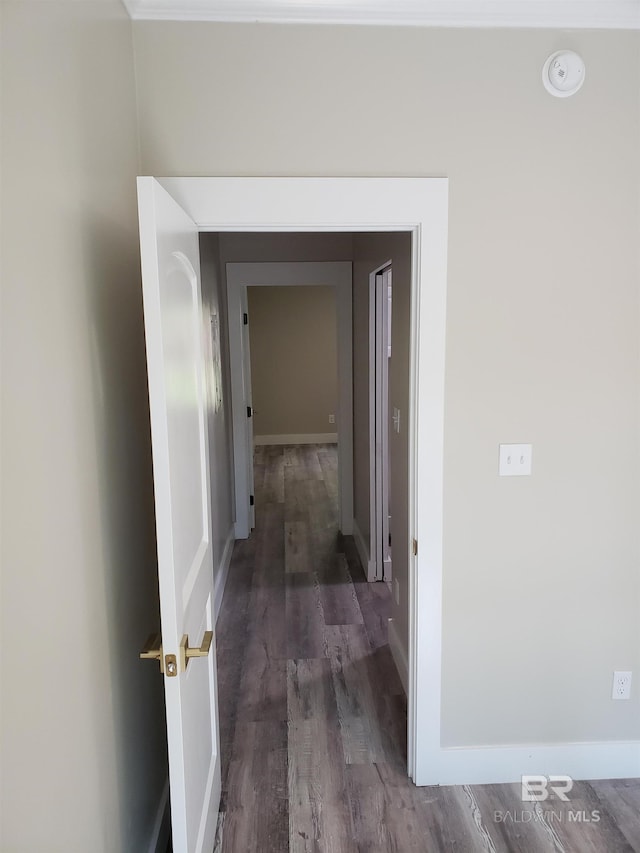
[{"x": 420, "y": 206}]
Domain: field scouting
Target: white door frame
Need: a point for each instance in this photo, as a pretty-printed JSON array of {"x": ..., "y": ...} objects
[
  {"x": 420, "y": 206},
  {"x": 336, "y": 274},
  {"x": 379, "y": 567}
]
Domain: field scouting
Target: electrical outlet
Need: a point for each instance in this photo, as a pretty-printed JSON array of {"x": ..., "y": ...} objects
[
  {"x": 332, "y": 419},
  {"x": 621, "y": 685},
  {"x": 396, "y": 590}
]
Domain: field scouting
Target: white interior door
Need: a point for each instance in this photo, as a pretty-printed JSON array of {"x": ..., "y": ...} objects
[
  {"x": 248, "y": 403},
  {"x": 380, "y": 354},
  {"x": 385, "y": 357},
  {"x": 241, "y": 404},
  {"x": 174, "y": 332}
]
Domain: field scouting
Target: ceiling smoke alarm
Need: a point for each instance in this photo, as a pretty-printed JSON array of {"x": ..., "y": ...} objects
[{"x": 563, "y": 73}]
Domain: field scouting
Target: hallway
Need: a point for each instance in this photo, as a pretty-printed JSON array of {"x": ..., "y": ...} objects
[
  {"x": 310, "y": 699},
  {"x": 313, "y": 715}
]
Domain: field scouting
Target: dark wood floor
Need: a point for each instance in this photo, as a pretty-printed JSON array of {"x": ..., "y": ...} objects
[{"x": 313, "y": 716}]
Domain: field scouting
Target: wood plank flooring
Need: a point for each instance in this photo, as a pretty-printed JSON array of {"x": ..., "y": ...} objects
[{"x": 312, "y": 712}]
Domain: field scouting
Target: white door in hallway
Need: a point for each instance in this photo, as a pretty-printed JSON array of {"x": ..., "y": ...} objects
[
  {"x": 176, "y": 366},
  {"x": 383, "y": 350},
  {"x": 248, "y": 402},
  {"x": 380, "y": 301}
]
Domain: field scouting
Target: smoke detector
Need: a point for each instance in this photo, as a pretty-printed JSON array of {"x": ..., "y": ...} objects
[{"x": 563, "y": 73}]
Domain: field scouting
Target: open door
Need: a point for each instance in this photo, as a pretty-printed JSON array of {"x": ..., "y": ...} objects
[
  {"x": 380, "y": 298},
  {"x": 241, "y": 406},
  {"x": 248, "y": 403},
  {"x": 177, "y": 396},
  {"x": 383, "y": 311}
]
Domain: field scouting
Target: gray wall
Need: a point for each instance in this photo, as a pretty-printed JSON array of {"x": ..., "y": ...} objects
[
  {"x": 541, "y": 577},
  {"x": 284, "y": 247},
  {"x": 83, "y": 742},
  {"x": 294, "y": 370}
]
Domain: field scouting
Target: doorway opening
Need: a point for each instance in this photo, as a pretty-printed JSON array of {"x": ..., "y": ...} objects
[
  {"x": 293, "y": 359},
  {"x": 321, "y": 608},
  {"x": 241, "y": 277}
]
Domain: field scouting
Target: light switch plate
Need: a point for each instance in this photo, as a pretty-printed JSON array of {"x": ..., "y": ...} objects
[{"x": 515, "y": 460}]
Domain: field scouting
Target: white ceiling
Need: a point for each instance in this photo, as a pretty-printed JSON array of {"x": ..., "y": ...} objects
[{"x": 565, "y": 14}]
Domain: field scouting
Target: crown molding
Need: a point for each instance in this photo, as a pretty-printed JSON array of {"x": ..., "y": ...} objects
[{"x": 556, "y": 14}]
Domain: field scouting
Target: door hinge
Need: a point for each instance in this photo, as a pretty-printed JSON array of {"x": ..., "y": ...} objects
[
  {"x": 251, "y": 500},
  {"x": 414, "y": 547},
  {"x": 245, "y": 319},
  {"x": 249, "y": 411}
]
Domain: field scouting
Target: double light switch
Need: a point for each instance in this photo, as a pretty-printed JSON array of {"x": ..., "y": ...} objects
[{"x": 515, "y": 460}]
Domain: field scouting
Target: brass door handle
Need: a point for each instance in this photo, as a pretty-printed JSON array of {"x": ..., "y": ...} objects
[
  {"x": 152, "y": 650},
  {"x": 187, "y": 652}
]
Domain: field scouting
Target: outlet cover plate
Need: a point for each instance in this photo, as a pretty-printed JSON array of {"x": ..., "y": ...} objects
[{"x": 621, "y": 685}]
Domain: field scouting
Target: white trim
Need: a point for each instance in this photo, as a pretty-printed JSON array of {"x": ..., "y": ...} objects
[
  {"x": 420, "y": 206},
  {"x": 363, "y": 552},
  {"x": 481, "y": 765},
  {"x": 372, "y": 568},
  {"x": 399, "y": 655},
  {"x": 426, "y": 485},
  {"x": 337, "y": 274},
  {"x": 578, "y": 14},
  {"x": 223, "y": 572},
  {"x": 299, "y": 438},
  {"x": 159, "y": 840}
]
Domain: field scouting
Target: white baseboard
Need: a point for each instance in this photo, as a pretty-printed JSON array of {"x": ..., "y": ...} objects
[
  {"x": 223, "y": 571},
  {"x": 480, "y": 765},
  {"x": 159, "y": 840},
  {"x": 363, "y": 548},
  {"x": 300, "y": 438},
  {"x": 399, "y": 656}
]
